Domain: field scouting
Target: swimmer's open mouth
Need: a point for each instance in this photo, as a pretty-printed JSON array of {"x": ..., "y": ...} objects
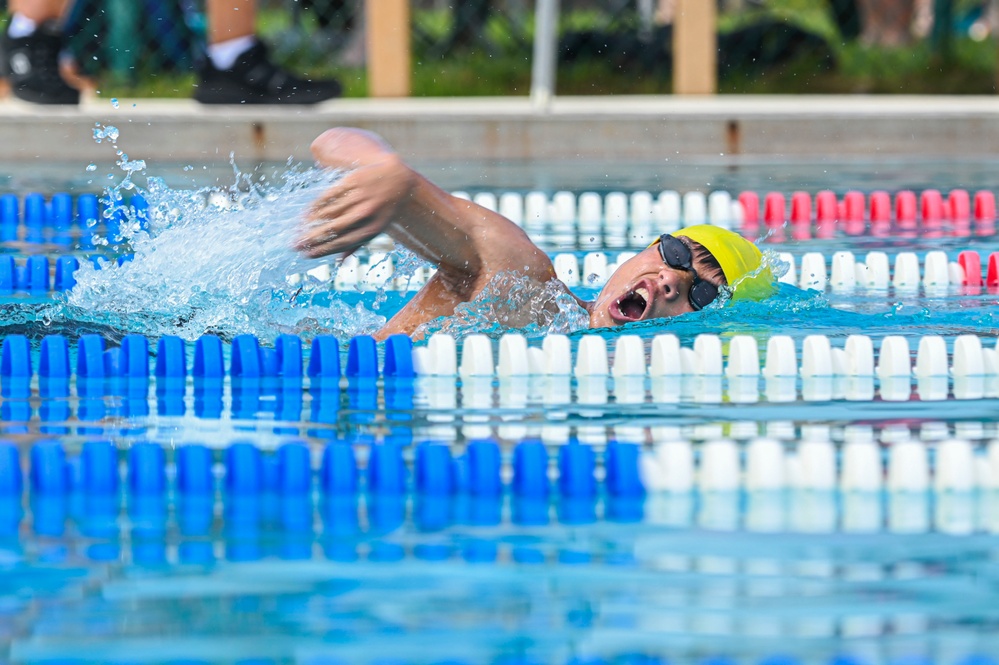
[{"x": 632, "y": 306}]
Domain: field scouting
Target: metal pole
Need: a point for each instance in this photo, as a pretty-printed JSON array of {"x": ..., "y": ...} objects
[
  {"x": 123, "y": 39},
  {"x": 545, "y": 53},
  {"x": 943, "y": 26}
]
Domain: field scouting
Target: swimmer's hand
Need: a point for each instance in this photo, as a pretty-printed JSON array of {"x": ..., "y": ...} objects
[{"x": 360, "y": 204}]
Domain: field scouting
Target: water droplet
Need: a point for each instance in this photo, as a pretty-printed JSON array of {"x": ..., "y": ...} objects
[
  {"x": 91, "y": 167},
  {"x": 114, "y": 102}
]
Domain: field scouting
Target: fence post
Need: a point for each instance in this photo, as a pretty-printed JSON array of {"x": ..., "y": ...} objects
[
  {"x": 123, "y": 43},
  {"x": 545, "y": 55},
  {"x": 695, "y": 48},
  {"x": 387, "y": 33}
]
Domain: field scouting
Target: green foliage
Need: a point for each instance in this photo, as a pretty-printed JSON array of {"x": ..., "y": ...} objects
[
  {"x": 811, "y": 15},
  {"x": 502, "y": 66},
  {"x": 916, "y": 69}
]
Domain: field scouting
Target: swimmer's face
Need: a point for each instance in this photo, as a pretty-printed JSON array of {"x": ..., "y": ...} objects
[{"x": 643, "y": 288}]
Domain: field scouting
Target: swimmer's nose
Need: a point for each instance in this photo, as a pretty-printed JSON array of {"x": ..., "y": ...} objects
[{"x": 669, "y": 283}]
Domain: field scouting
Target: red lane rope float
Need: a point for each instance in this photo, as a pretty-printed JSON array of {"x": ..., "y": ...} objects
[
  {"x": 929, "y": 211},
  {"x": 854, "y": 213},
  {"x": 992, "y": 275},
  {"x": 971, "y": 263}
]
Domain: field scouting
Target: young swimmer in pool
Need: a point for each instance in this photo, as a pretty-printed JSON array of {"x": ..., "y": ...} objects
[{"x": 471, "y": 246}]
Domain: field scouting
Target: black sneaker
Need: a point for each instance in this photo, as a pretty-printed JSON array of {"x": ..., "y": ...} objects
[
  {"x": 31, "y": 64},
  {"x": 254, "y": 79}
]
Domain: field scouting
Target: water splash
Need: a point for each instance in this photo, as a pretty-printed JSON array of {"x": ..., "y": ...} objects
[
  {"x": 212, "y": 260},
  {"x": 514, "y": 303}
]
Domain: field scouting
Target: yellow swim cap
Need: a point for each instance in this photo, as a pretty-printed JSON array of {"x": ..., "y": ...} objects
[{"x": 740, "y": 260}]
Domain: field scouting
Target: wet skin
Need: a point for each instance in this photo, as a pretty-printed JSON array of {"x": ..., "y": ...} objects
[
  {"x": 469, "y": 244},
  {"x": 643, "y": 288}
]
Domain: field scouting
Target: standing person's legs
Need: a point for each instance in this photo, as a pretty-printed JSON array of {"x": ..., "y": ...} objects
[
  {"x": 231, "y": 19},
  {"x": 232, "y": 26},
  {"x": 238, "y": 68},
  {"x": 31, "y": 48},
  {"x": 37, "y": 11}
]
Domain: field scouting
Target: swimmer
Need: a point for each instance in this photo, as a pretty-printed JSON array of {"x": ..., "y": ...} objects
[{"x": 471, "y": 246}]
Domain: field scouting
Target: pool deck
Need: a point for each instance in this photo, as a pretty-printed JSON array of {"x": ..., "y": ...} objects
[{"x": 616, "y": 129}]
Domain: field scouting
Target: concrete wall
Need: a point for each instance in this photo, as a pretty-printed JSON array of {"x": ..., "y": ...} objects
[{"x": 616, "y": 129}]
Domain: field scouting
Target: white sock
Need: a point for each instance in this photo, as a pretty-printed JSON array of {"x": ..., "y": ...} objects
[
  {"x": 21, "y": 26},
  {"x": 224, "y": 54}
]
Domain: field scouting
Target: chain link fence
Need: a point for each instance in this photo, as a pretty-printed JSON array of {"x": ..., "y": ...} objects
[
  {"x": 132, "y": 39},
  {"x": 789, "y": 46},
  {"x": 469, "y": 47}
]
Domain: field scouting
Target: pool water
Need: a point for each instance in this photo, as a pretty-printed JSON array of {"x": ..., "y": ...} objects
[{"x": 748, "y": 535}]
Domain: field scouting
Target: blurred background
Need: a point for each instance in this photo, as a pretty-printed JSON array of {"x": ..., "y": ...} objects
[{"x": 143, "y": 48}]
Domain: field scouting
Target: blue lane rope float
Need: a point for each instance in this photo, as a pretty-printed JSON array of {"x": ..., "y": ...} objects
[
  {"x": 62, "y": 212},
  {"x": 54, "y": 219},
  {"x": 98, "y": 470},
  {"x": 31, "y": 276},
  {"x": 194, "y": 470},
  {"x": 65, "y": 273},
  {"x": 968, "y": 372},
  {"x": 530, "y": 469},
  {"x": 36, "y": 214},
  {"x": 208, "y": 359},
  {"x": 10, "y": 216},
  {"x": 135, "y": 357},
  {"x": 90, "y": 357},
  {"x": 54, "y": 360},
  {"x": 324, "y": 361},
  {"x": 338, "y": 472},
  {"x": 171, "y": 358},
  {"x": 362, "y": 357},
  {"x": 11, "y": 476},
  {"x": 15, "y": 357},
  {"x": 146, "y": 469},
  {"x": 245, "y": 360},
  {"x": 288, "y": 356}
]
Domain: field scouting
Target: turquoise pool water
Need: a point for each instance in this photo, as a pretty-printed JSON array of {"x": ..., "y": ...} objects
[{"x": 715, "y": 571}]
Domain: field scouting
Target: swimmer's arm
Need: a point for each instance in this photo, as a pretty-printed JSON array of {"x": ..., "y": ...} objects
[{"x": 380, "y": 193}]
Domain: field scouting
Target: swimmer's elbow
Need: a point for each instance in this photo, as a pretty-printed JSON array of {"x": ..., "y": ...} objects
[
  {"x": 344, "y": 146},
  {"x": 322, "y": 145}
]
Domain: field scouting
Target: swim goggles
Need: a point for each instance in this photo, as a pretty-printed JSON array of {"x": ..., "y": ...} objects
[{"x": 676, "y": 254}]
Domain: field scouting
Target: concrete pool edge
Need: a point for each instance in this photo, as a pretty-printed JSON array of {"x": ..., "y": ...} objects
[{"x": 615, "y": 129}]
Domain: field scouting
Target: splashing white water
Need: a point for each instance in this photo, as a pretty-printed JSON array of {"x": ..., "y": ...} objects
[
  {"x": 514, "y": 303},
  {"x": 211, "y": 261},
  {"x": 216, "y": 260}
]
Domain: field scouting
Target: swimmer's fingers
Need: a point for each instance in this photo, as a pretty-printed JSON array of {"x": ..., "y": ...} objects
[
  {"x": 341, "y": 243},
  {"x": 331, "y": 205},
  {"x": 342, "y": 208},
  {"x": 347, "y": 226},
  {"x": 334, "y": 221}
]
